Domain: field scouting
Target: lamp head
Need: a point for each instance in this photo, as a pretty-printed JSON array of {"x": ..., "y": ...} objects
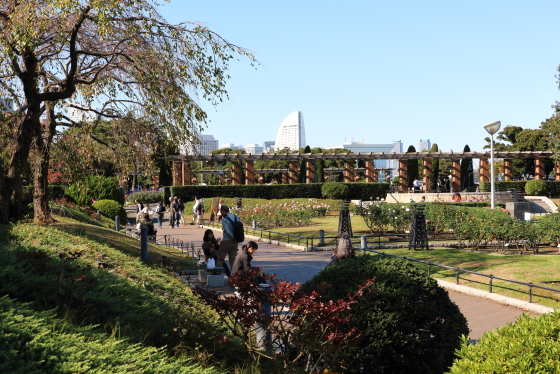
[{"x": 493, "y": 127}]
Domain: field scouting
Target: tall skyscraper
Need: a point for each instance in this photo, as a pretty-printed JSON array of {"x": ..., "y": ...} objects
[
  {"x": 203, "y": 144},
  {"x": 268, "y": 146},
  {"x": 291, "y": 133}
]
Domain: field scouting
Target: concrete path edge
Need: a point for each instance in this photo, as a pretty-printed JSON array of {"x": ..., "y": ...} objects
[{"x": 504, "y": 300}]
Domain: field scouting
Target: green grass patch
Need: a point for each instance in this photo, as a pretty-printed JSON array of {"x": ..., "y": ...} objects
[{"x": 539, "y": 269}]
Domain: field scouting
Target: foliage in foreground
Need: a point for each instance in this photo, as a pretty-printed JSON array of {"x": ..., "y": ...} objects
[
  {"x": 39, "y": 342},
  {"x": 305, "y": 333},
  {"x": 91, "y": 283},
  {"x": 407, "y": 322},
  {"x": 529, "y": 345}
]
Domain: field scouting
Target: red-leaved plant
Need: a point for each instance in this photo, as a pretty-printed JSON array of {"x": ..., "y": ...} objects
[{"x": 302, "y": 331}]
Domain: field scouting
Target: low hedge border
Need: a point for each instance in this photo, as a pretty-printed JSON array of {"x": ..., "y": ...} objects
[
  {"x": 364, "y": 191},
  {"x": 552, "y": 187}
]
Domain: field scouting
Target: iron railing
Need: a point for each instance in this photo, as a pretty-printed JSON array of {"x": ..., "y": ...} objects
[{"x": 490, "y": 277}]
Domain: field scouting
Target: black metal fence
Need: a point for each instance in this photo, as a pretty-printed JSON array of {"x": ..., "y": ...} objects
[{"x": 490, "y": 277}]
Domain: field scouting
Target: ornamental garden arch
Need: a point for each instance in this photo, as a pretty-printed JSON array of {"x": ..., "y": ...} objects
[{"x": 182, "y": 172}]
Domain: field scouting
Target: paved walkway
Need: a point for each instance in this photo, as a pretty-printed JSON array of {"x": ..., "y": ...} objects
[{"x": 295, "y": 266}]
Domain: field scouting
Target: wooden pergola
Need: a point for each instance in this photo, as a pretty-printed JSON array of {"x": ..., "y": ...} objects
[{"x": 182, "y": 170}]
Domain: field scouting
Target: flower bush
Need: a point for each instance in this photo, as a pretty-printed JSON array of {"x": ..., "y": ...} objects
[
  {"x": 382, "y": 217},
  {"x": 291, "y": 214}
]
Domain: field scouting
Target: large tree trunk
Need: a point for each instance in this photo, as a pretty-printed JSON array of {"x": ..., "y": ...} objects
[
  {"x": 22, "y": 131},
  {"x": 41, "y": 168}
]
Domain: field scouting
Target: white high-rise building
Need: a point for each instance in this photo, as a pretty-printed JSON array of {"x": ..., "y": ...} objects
[
  {"x": 424, "y": 145},
  {"x": 253, "y": 149},
  {"x": 203, "y": 145},
  {"x": 291, "y": 133}
]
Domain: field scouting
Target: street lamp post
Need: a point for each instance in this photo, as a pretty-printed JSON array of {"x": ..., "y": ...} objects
[{"x": 492, "y": 128}]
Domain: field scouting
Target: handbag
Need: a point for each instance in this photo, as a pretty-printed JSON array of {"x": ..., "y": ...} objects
[{"x": 211, "y": 263}]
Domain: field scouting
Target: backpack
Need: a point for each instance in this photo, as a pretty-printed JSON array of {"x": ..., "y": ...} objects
[{"x": 238, "y": 232}]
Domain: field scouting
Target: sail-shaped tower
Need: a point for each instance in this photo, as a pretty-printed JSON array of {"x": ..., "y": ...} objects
[{"x": 291, "y": 133}]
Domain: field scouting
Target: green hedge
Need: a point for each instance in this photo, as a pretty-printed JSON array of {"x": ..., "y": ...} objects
[
  {"x": 95, "y": 187},
  {"x": 110, "y": 209},
  {"x": 552, "y": 187},
  {"x": 530, "y": 345},
  {"x": 504, "y": 186},
  {"x": 364, "y": 191},
  {"x": 55, "y": 192},
  {"x": 150, "y": 197}
]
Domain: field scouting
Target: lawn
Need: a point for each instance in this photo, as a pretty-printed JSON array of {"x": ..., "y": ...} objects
[{"x": 541, "y": 269}]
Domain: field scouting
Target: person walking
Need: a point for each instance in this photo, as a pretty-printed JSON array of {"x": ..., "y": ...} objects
[
  {"x": 175, "y": 213},
  {"x": 228, "y": 245},
  {"x": 243, "y": 261},
  {"x": 195, "y": 210},
  {"x": 200, "y": 212},
  {"x": 159, "y": 211},
  {"x": 181, "y": 211}
]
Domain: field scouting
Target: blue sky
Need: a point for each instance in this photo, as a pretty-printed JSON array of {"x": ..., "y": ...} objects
[{"x": 379, "y": 71}]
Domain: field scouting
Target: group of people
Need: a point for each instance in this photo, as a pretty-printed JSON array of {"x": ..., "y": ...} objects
[{"x": 220, "y": 248}]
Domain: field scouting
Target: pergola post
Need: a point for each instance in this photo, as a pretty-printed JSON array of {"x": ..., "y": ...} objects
[
  {"x": 484, "y": 173},
  {"x": 539, "y": 168},
  {"x": 249, "y": 172},
  {"x": 375, "y": 176},
  {"x": 508, "y": 169},
  {"x": 403, "y": 175},
  {"x": 309, "y": 171},
  {"x": 235, "y": 173},
  {"x": 293, "y": 171},
  {"x": 370, "y": 171},
  {"x": 455, "y": 175},
  {"x": 177, "y": 173},
  {"x": 557, "y": 170},
  {"x": 427, "y": 174},
  {"x": 284, "y": 178},
  {"x": 186, "y": 172},
  {"x": 347, "y": 171}
]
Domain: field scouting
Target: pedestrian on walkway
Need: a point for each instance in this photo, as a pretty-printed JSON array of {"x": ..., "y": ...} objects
[
  {"x": 243, "y": 261},
  {"x": 229, "y": 244},
  {"x": 195, "y": 210},
  {"x": 210, "y": 246},
  {"x": 159, "y": 210},
  {"x": 175, "y": 213},
  {"x": 181, "y": 211}
]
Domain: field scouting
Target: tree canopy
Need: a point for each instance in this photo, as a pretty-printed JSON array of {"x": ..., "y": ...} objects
[{"x": 106, "y": 58}]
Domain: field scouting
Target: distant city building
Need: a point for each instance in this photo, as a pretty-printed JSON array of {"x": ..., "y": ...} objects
[
  {"x": 291, "y": 133},
  {"x": 425, "y": 145},
  {"x": 394, "y": 164},
  {"x": 207, "y": 144},
  {"x": 253, "y": 149},
  {"x": 202, "y": 144},
  {"x": 231, "y": 146},
  {"x": 268, "y": 145},
  {"x": 82, "y": 115},
  {"x": 357, "y": 147}
]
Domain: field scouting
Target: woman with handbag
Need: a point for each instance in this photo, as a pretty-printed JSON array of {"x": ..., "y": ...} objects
[{"x": 210, "y": 247}]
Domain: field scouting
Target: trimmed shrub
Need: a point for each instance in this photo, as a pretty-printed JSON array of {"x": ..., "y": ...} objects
[
  {"x": 503, "y": 186},
  {"x": 95, "y": 188},
  {"x": 334, "y": 190},
  {"x": 407, "y": 322},
  {"x": 110, "y": 209},
  {"x": 55, "y": 192},
  {"x": 38, "y": 342},
  {"x": 536, "y": 187},
  {"x": 364, "y": 191},
  {"x": 149, "y": 197},
  {"x": 529, "y": 345}
]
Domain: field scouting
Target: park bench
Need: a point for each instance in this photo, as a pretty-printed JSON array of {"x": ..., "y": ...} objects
[
  {"x": 212, "y": 277},
  {"x": 133, "y": 232}
]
